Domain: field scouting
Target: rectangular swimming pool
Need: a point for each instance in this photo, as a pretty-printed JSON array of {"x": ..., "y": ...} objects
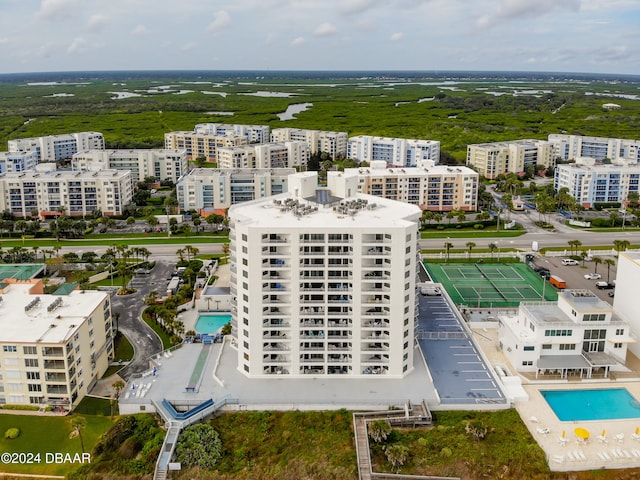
[
  {"x": 211, "y": 323},
  {"x": 596, "y": 404}
]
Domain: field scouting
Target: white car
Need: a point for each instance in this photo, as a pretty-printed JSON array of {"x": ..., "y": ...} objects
[
  {"x": 569, "y": 261},
  {"x": 593, "y": 276}
]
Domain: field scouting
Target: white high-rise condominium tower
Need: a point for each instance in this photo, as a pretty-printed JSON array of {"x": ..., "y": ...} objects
[{"x": 324, "y": 280}]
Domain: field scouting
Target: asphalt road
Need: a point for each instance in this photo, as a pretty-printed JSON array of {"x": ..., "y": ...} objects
[{"x": 143, "y": 339}]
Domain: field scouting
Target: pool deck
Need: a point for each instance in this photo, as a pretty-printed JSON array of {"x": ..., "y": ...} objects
[{"x": 561, "y": 454}]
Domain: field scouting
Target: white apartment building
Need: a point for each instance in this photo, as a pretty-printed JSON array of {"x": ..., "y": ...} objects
[
  {"x": 265, "y": 155},
  {"x": 46, "y": 190},
  {"x": 324, "y": 281},
  {"x": 53, "y": 148},
  {"x": 581, "y": 333},
  {"x": 333, "y": 143},
  {"x": 571, "y": 147},
  {"x": 17, "y": 161},
  {"x": 493, "y": 159},
  {"x": 209, "y": 189},
  {"x": 54, "y": 347},
  {"x": 590, "y": 183},
  {"x": 254, "y": 133},
  {"x": 162, "y": 164},
  {"x": 432, "y": 187},
  {"x": 625, "y": 302},
  {"x": 202, "y": 144},
  {"x": 400, "y": 152}
]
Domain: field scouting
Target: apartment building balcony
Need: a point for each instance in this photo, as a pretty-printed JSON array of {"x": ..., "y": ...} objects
[
  {"x": 310, "y": 299},
  {"x": 376, "y": 299},
  {"x": 375, "y": 288},
  {"x": 312, "y": 370},
  {"x": 376, "y": 335},
  {"x": 374, "y": 359},
  {"x": 376, "y": 371},
  {"x": 376, "y": 323},
  {"x": 270, "y": 358},
  {"x": 312, "y": 334},
  {"x": 312, "y": 358},
  {"x": 339, "y": 358},
  {"x": 343, "y": 323},
  {"x": 273, "y": 275},
  {"x": 54, "y": 365},
  {"x": 375, "y": 238},
  {"x": 339, "y": 346},
  {"x": 55, "y": 377},
  {"x": 274, "y": 263},
  {"x": 339, "y": 298},
  {"x": 274, "y": 287},
  {"x": 57, "y": 389},
  {"x": 275, "y": 370},
  {"x": 274, "y": 334},
  {"x": 276, "y": 299},
  {"x": 375, "y": 347},
  {"x": 311, "y": 322},
  {"x": 343, "y": 275},
  {"x": 278, "y": 347},
  {"x": 339, "y": 334},
  {"x": 376, "y": 251},
  {"x": 312, "y": 347},
  {"x": 52, "y": 352},
  {"x": 312, "y": 310},
  {"x": 275, "y": 322}
]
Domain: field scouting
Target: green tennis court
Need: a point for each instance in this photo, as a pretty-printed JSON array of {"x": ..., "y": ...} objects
[
  {"x": 491, "y": 285},
  {"x": 20, "y": 271}
]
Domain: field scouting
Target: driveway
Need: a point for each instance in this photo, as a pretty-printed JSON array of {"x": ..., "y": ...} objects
[{"x": 141, "y": 336}]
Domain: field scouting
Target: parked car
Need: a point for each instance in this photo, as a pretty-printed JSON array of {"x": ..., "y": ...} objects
[
  {"x": 612, "y": 293},
  {"x": 593, "y": 276},
  {"x": 605, "y": 285},
  {"x": 569, "y": 261}
]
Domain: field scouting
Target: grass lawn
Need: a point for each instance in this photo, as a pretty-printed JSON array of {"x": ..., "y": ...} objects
[
  {"x": 42, "y": 435},
  {"x": 123, "y": 348},
  {"x": 470, "y": 233},
  {"x": 166, "y": 339}
]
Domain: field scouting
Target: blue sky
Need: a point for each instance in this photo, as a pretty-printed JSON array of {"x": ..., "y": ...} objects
[{"x": 600, "y": 36}]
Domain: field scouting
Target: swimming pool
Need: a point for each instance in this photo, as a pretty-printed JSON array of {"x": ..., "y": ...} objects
[
  {"x": 210, "y": 323},
  {"x": 600, "y": 404}
]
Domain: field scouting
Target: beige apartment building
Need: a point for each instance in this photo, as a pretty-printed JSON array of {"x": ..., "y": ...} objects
[
  {"x": 333, "y": 143},
  {"x": 265, "y": 155},
  {"x": 432, "y": 187},
  {"x": 54, "y": 348},
  {"x": 47, "y": 191},
  {"x": 162, "y": 164},
  {"x": 202, "y": 144},
  {"x": 493, "y": 159}
]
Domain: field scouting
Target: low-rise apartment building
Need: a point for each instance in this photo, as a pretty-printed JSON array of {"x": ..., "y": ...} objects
[
  {"x": 17, "y": 161},
  {"x": 572, "y": 147},
  {"x": 53, "y": 148},
  {"x": 590, "y": 182},
  {"x": 254, "y": 133},
  {"x": 162, "y": 164},
  {"x": 438, "y": 188},
  {"x": 199, "y": 144},
  {"x": 333, "y": 143},
  {"x": 48, "y": 191},
  {"x": 54, "y": 348},
  {"x": 265, "y": 155},
  {"x": 493, "y": 159},
  {"x": 400, "y": 152},
  {"x": 580, "y": 333},
  {"x": 209, "y": 189}
]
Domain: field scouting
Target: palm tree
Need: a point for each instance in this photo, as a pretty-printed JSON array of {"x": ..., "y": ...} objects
[
  {"x": 470, "y": 246},
  {"x": 78, "y": 423},
  {"x": 596, "y": 262},
  {"x": 492, "y": 248},
  {"x": 448, "y": 246},
  {"x": 621, "y": 245},
  {"x": 117, "y": 386},
  {"x": 609, "y": 262},
  {"x": 574, "y": 244}
]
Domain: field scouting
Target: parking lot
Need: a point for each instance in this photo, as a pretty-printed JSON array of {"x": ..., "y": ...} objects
[{"x": 574, "y": 274}]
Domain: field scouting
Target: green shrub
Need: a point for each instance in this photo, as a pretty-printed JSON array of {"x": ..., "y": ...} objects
[{"x": 12, "y": 433}]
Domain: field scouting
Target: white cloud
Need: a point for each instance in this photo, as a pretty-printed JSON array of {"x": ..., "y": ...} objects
[
  {"x": 77, "y": 46},
  {"x": 325, "y": 29},
  {"x": 140, "y": 30},
  {"x": 221, "y": 20},
  {"x": 296, "y": 42},
  {"x": 97, "y": 22},
  {"x": 187, "y": 47},
  {"x": 270, "y": 40},
  {"x": 396, "y": 37},
  {"x": 514, "y": 9},
  {"x": 350, "y": 7},
  {"x": 52, "y": 9}
]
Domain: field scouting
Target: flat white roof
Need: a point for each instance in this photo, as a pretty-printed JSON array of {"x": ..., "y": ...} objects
[
  {"x": 379, "y": 212},
  {"x": 38, "y": 324}
]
